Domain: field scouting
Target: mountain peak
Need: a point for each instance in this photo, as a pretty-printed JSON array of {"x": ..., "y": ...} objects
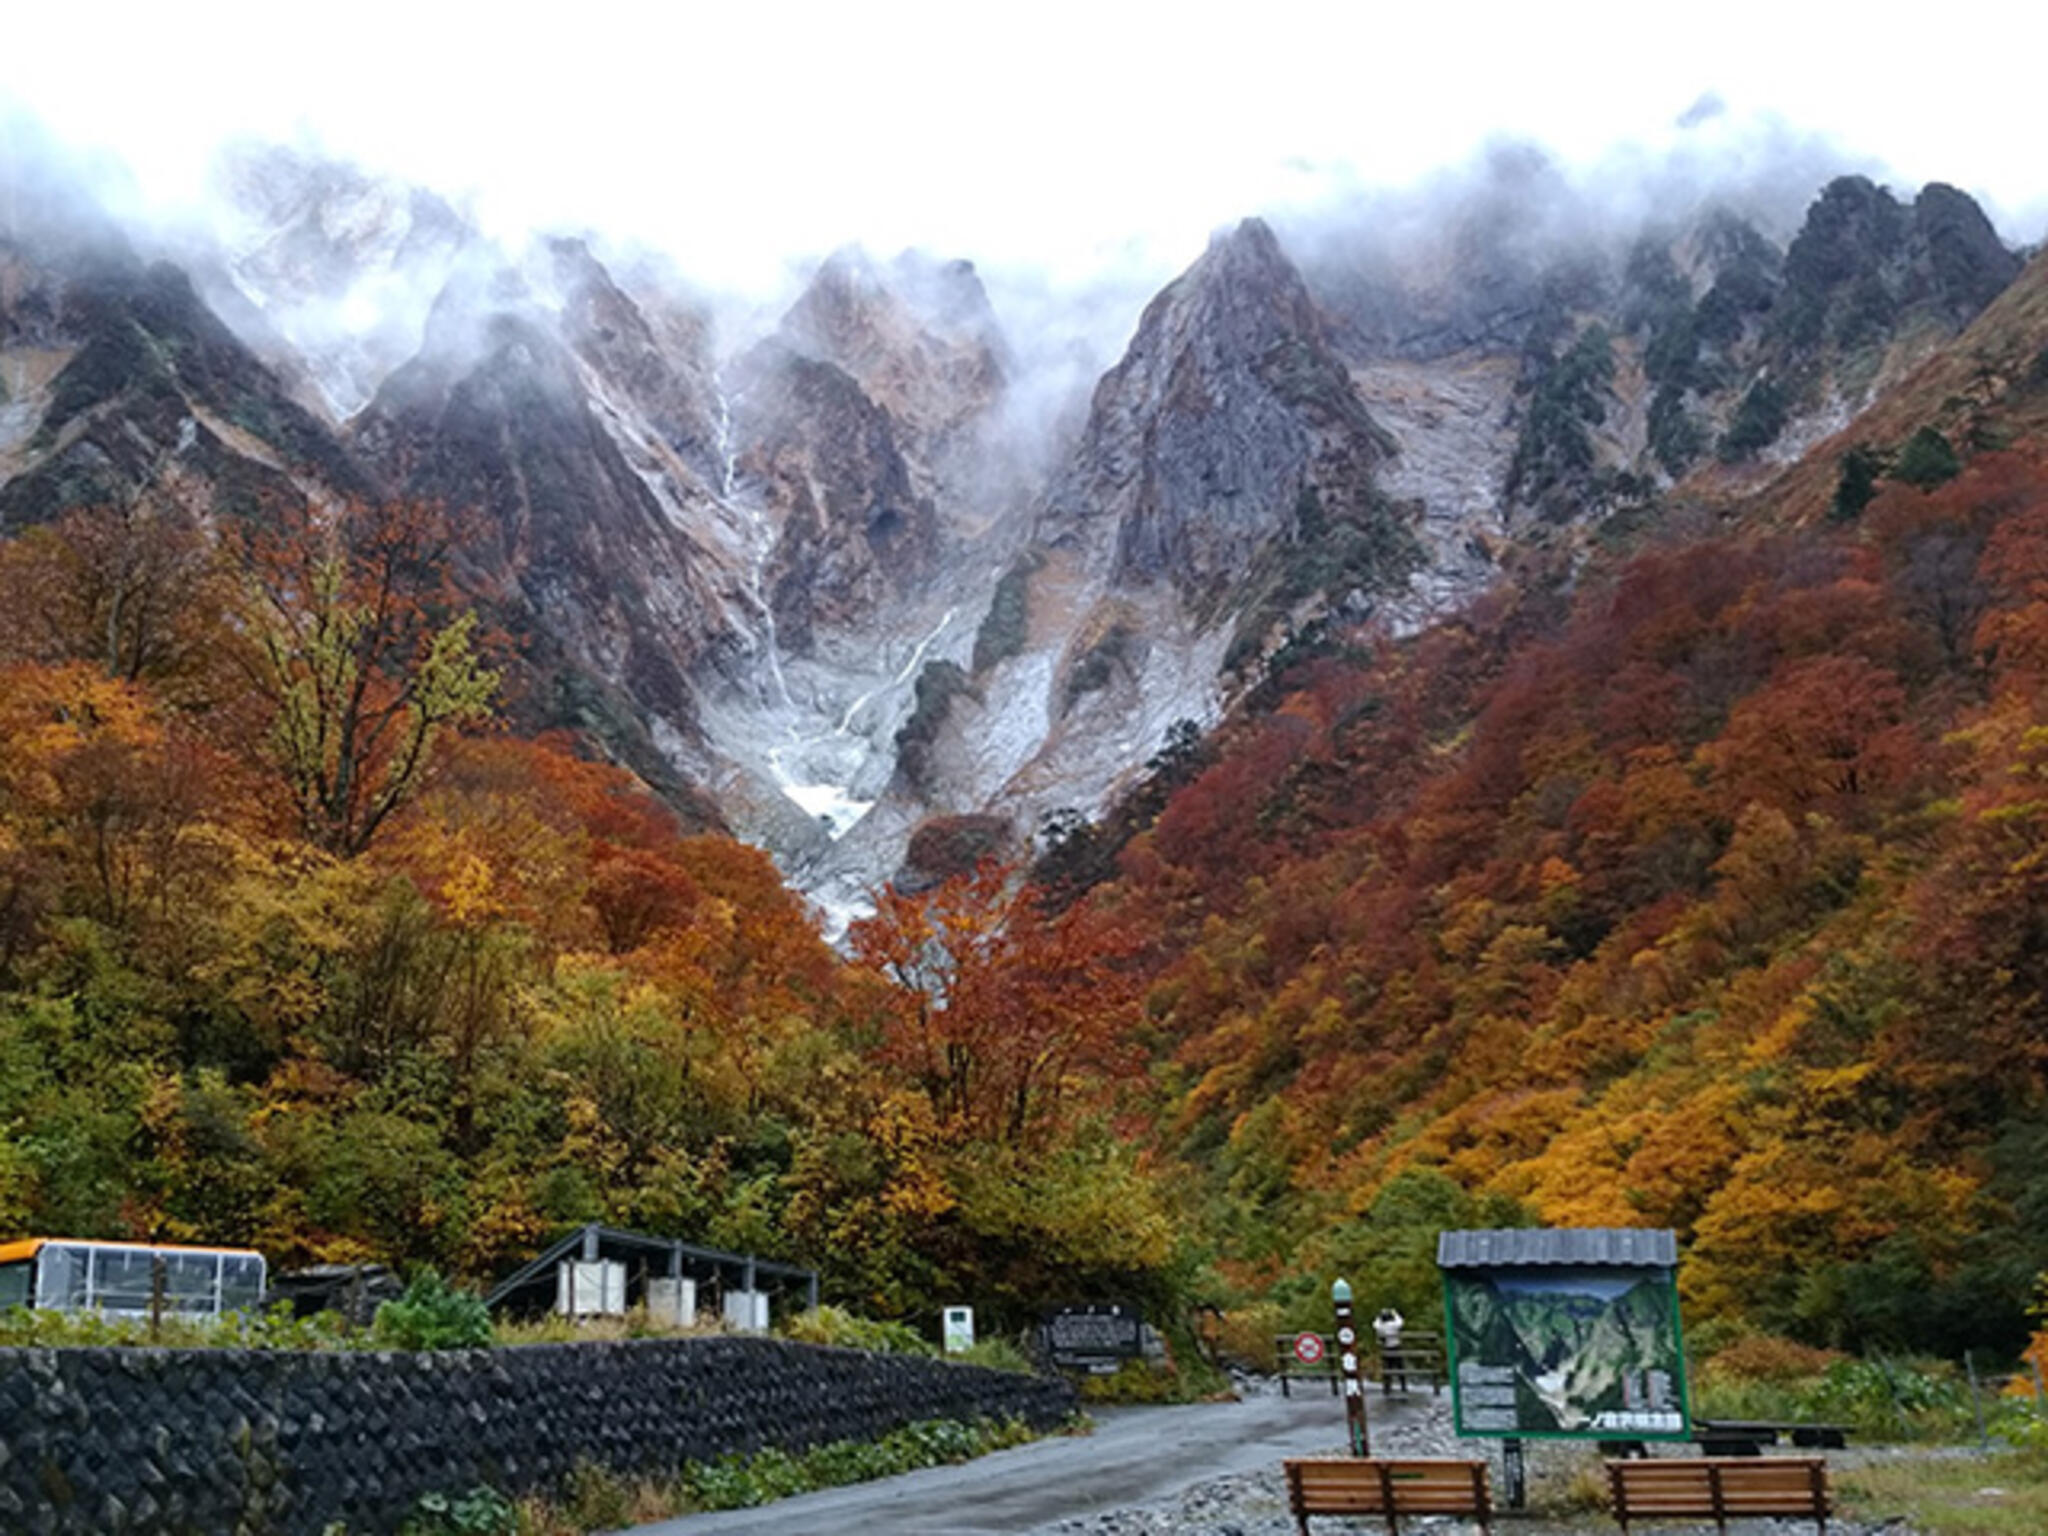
[
  {"x": 852, "y": 301},
  {"x": 1228, "y": 410},
  {"x": 1970, "y": 264},
  {"x": 1241, "y": 297},
  {"x": 1250, "y": 241},
  {"x": 917, "y": 336}
]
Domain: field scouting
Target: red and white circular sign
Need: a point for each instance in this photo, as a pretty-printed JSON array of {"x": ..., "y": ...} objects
[{"x": 1308, "y": 1348}]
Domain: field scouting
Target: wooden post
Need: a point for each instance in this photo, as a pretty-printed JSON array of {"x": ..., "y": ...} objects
[
  {"x": 1976, "y": 1400},
  {"x": 1347, "y": 1363}
]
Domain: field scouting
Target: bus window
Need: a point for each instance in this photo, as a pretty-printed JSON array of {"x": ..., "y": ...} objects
[
  {"x": 241, "y": 1282},
  {"x": 189, "y": 1280},
  {"x": 14, "y": 1279},
  {"x": 61, "y": 1277},
  {"x": 122, "y": 1279}
]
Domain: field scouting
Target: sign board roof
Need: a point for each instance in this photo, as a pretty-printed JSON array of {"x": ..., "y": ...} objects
[{"x": 1524, "y": 1247}]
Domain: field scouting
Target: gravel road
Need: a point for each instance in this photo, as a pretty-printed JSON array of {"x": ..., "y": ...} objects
[{"x": 1209, "y": 1469}]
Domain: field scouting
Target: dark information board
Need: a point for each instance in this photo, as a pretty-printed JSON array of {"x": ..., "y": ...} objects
[
  {"x": 1093, "y": 1338},
  {"x": 1587, "y": 1352}
]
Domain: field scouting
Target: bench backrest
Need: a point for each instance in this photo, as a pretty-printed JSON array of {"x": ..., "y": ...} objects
[
  {"x": 1365, "y": 1486},
  {"x": 1724, "y": 1487}
]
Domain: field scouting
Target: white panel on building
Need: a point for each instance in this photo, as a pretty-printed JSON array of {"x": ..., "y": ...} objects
[
  {"x": 747, "y": 1311},
  {"x": 672, "y": 1302},
  {"x": 590, "y": 1290}
]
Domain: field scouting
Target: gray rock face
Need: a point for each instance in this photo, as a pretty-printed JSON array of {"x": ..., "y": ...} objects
[
  {"x": 1862, "y": 262},
  {"x": 499, "y": 416},
  {"x": 1636, "y": 362},
  {"x": 1229, "y": 405},
  {"x": 656, "y": 370},
  {"x": 856, "y": 534},
  {"x": 1969, "y": 264},
  {"x": 116, "y": 381},
  {"x": 919, "y": 338}
]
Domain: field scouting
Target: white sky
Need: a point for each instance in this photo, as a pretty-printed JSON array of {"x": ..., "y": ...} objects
[{"x": 1076, "y": 137}]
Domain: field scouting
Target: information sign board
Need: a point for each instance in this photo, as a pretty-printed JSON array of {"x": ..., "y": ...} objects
[
  {"x": 1094, "y": 1338},
  {"x": 1584, "y": 1352},
  {"x": 957, "y": 1329}
]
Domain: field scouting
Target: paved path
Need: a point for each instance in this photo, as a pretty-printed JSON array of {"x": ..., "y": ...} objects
[{"x": 1135, "y": 1456}]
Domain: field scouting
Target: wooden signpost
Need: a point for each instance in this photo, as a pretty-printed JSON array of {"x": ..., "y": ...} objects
[{"x": 1347, "y": 1365}]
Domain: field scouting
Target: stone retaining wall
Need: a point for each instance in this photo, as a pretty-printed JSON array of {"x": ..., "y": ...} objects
[{"x": 160, "y": 1442}]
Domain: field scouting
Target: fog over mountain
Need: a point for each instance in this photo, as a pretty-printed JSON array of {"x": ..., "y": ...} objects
[{"x": 896, "y": 541}]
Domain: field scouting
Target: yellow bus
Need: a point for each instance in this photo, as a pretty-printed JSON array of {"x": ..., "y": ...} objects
[{"x": 129, "y": 1279}]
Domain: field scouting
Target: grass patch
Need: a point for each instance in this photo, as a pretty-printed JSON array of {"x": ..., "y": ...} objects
[
  {"x": 2002, "y": 1494},
  {"x": 25, "y": 1328},
  {"x": 599, "y": 1500},
  {"x": 1925, "y": 1401},
  {"x": 637, "y": 1323},
  {"x": 842, "y": 1329},
  {"x": 996, "y": 1353},
  {"x": 1184, "y": 1377}
]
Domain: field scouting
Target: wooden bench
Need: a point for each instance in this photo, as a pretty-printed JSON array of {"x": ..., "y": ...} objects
[
  {"x": 1721, "y": 1489},
  {"x": 1391, "y": 1489}
]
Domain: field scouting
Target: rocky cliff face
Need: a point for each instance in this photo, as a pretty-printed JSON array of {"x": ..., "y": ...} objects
[
  {"x": 1222, "y": 493},
  {"x": 595, "y": 569},
  {"x": 116, "y": 381},
  {"x": 1583, "y": 376},
  {"x": 922, "y": 343},
  {"x": 857, "y": 536},
  {"x": 648, "y": 369},
  {"x": 825, "y": 574},
  {"x": 1228, "y": 411}
]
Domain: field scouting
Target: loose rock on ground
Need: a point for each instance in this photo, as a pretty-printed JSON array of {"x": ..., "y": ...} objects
[{"x": 1411, "y": 1425}]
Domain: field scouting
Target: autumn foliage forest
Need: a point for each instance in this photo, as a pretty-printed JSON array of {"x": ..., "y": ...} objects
[
  {"x": 1694, "y": 879},
  {"x": 1708, "y": 893},
  {"x": 301, "y": 948}
]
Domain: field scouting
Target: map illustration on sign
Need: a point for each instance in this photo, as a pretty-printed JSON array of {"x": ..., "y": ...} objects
[{"x": 1591, "y": 1351}]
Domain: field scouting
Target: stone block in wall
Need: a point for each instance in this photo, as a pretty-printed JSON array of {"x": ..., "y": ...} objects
[{"x": 148, "y": 1441}]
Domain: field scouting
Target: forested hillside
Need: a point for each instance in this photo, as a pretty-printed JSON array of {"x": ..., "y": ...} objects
[
  {"x": 300, "y": 949},
  {"x": 1692, "y": 876},
  {"x": 1697, "y": 881}
]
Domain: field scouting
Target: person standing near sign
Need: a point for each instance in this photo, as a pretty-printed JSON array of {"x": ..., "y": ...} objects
[{"x": 1386, "y": 1327}]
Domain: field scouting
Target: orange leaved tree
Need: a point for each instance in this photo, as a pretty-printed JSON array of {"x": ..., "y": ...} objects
[{"x": 999, "y": 1010}]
